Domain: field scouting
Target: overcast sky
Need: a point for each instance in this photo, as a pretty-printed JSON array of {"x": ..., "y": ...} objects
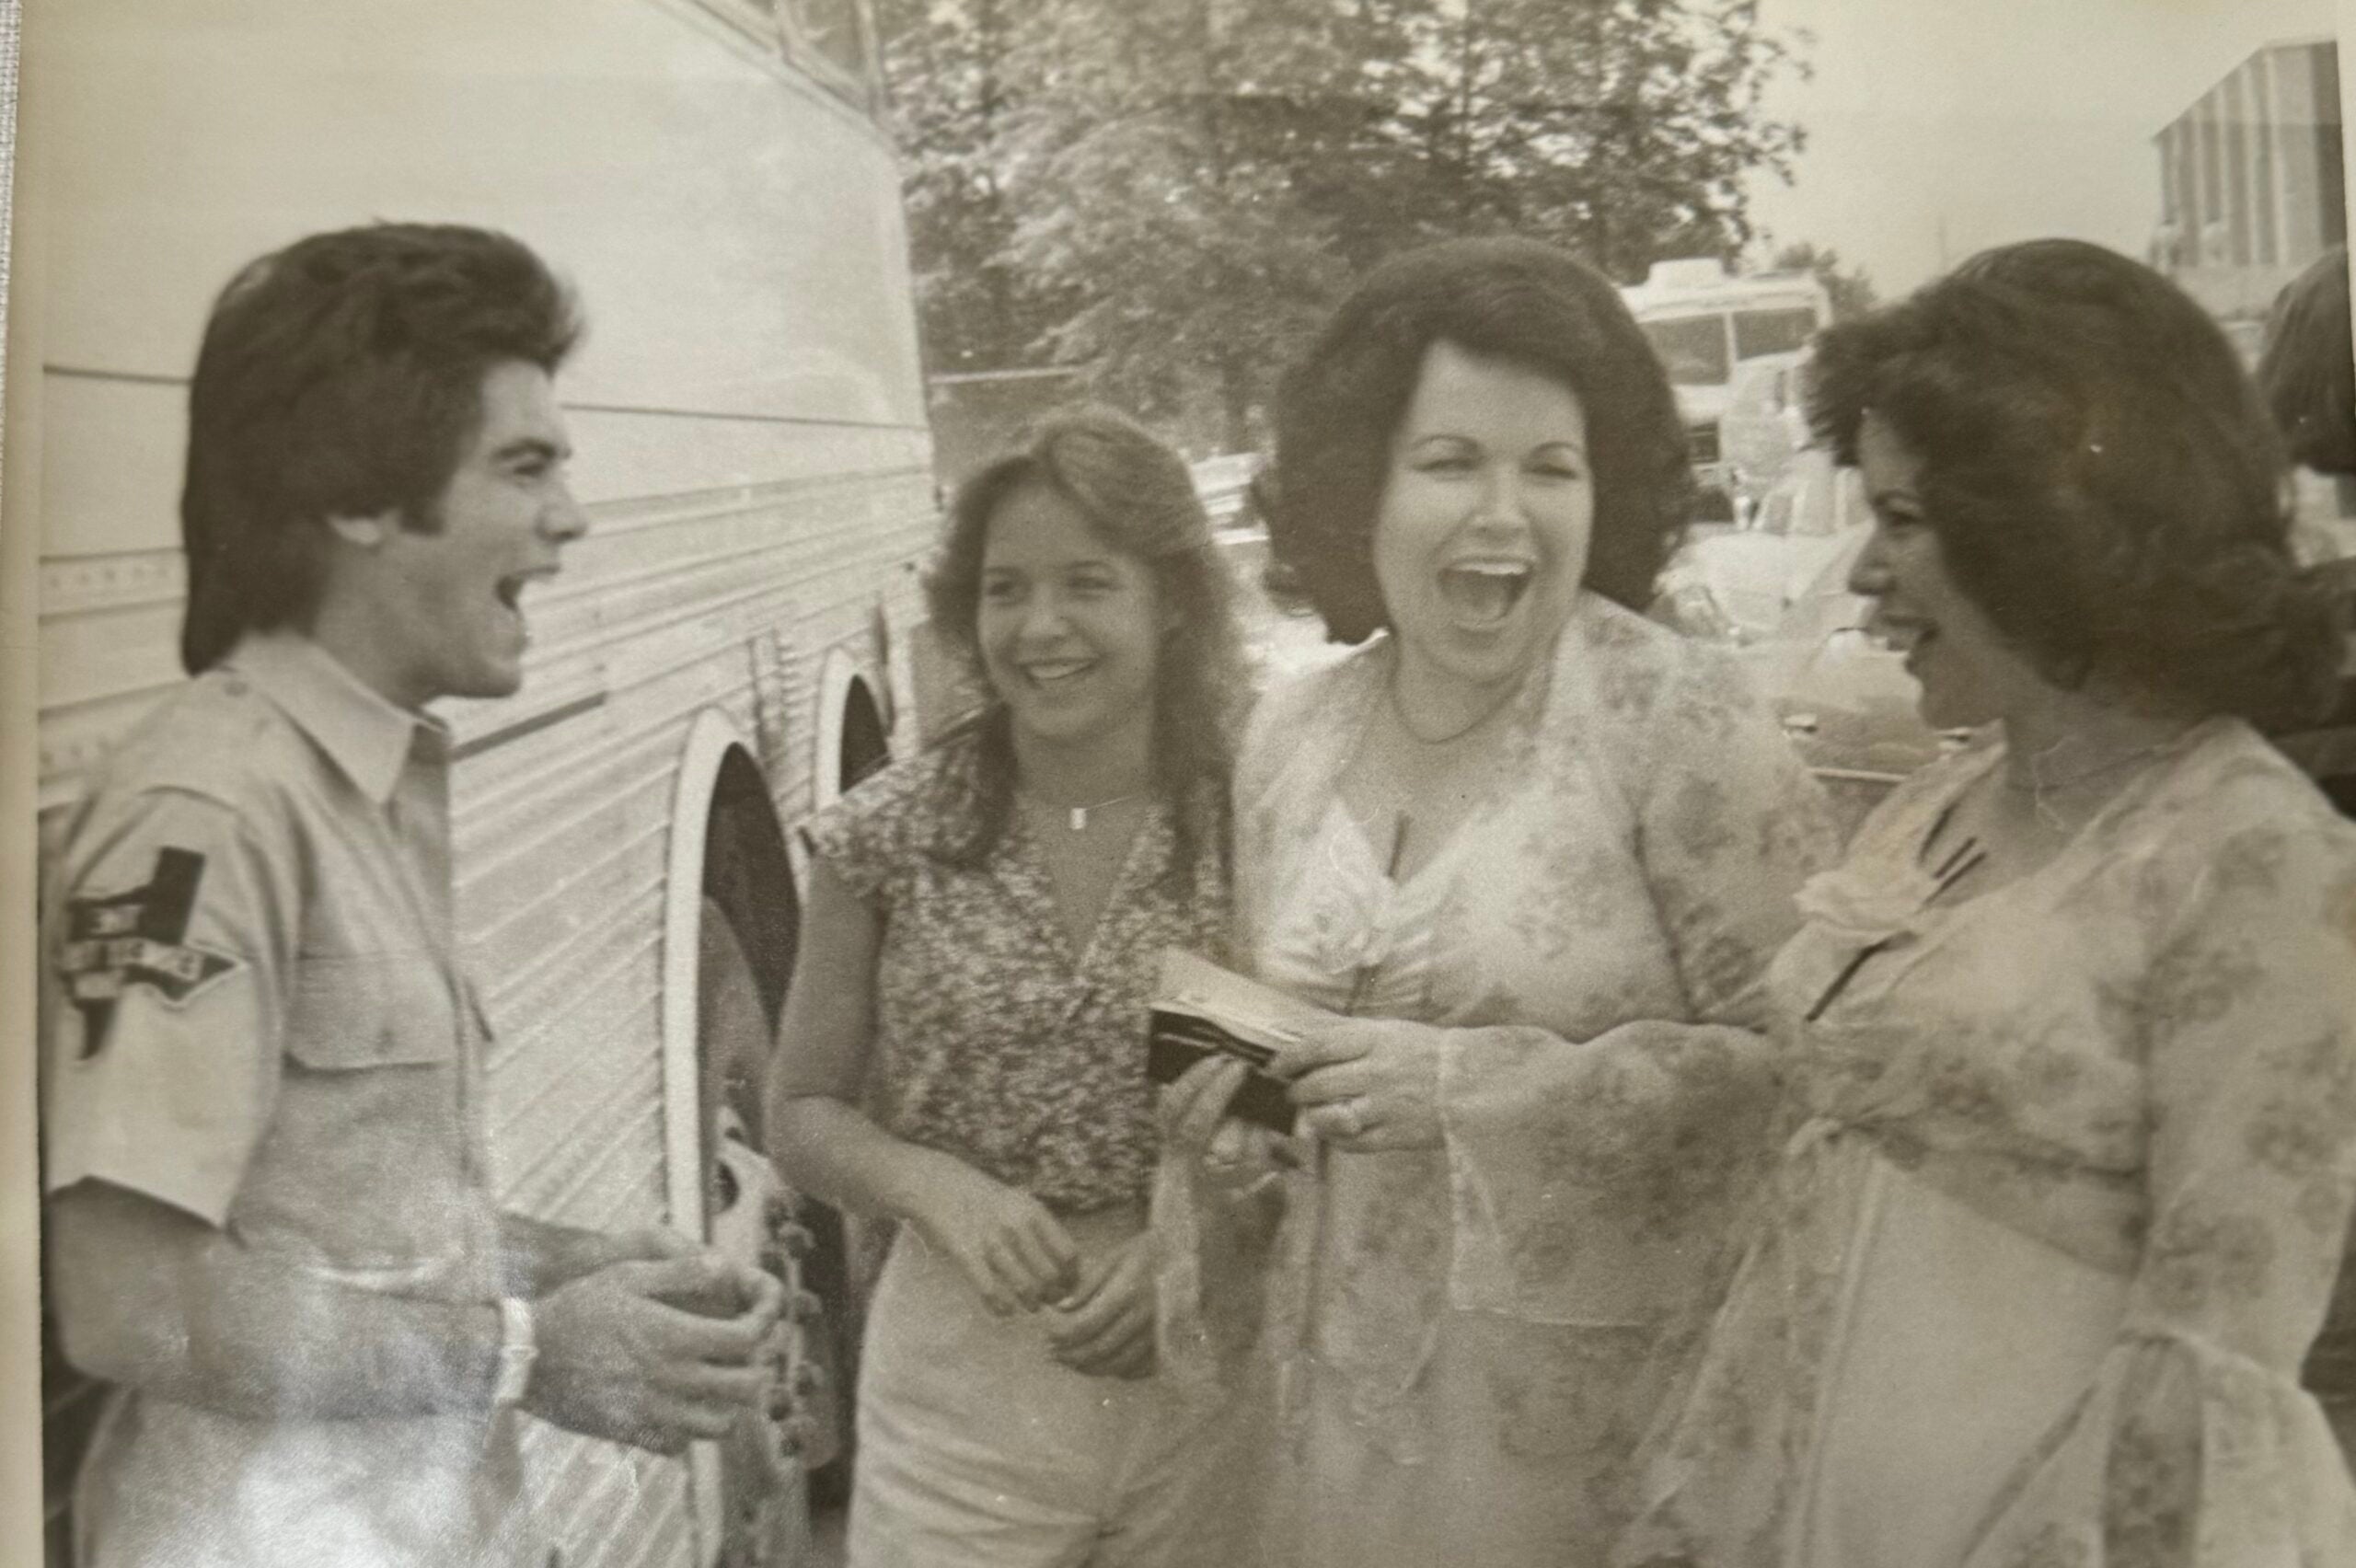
[{"x": 1939, "y": 127}]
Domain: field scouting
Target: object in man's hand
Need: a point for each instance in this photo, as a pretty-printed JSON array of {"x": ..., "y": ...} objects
[
  {"x": 1203, "y": 1011},
  {"x": 717, "y": 1295},
  {"x": 740, "y": 1208}
]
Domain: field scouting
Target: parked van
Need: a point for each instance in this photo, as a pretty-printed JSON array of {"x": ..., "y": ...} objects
[{"x": 1706, "y": 322}]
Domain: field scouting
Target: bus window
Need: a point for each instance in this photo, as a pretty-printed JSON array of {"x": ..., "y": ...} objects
[
  {"x": 1691, "y": 347},
  {"x": 757, "y": 17},
  {"x": 1782, "y": 331},
  {"x": 836, "y": 35}
]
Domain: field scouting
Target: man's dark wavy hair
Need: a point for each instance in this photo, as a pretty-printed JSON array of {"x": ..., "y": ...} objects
[
  {"x": 2306, "y": 373},
  {"x": 2102, "y": 479},
  {"x": 1338, "y": 408},
  {"x": 342, "y": 376},
  {"x": 1137, "y": 496}
]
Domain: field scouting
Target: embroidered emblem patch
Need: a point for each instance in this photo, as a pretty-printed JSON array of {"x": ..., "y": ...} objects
[{"x": 138, "y": 937}]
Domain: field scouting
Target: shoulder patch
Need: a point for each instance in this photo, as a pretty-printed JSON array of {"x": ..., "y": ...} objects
[{"x": 139, "y": 937}]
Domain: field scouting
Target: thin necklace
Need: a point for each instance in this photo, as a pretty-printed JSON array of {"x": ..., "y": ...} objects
[
  {"x": 2041, "y": 789},
  {"x": 2036, "y": 784},
  {"x": 1399, "y": 717},
  {"x": 1076, "y": 817}
]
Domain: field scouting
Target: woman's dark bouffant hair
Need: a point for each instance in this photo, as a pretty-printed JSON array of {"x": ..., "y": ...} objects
[
  {"x": 2307, "y": 377},
  {"x": 2098, "y": 471},
  {"x": 1140, "y": 498},
  {"x": 1338, "y": 410}
]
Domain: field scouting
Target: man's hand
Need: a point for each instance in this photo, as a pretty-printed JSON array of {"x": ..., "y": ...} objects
[
  {"x": 1104, "y": 1327},
  {"x": 1014, "y": 1252},
  {"x": 655, "y": 1352},
  {"x": 540, "y": 1256},
  {"x": 647, "y": 1243}
]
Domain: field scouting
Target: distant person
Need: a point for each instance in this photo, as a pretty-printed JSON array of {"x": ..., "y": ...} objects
[
  {"x": 2068, "y": 1040},
  {"x": 2308, "y": 370},
  {"x": 981, "y": 940},
  {"x": 270, "y": 1222},
  {"x": 1533, "y": 853}
]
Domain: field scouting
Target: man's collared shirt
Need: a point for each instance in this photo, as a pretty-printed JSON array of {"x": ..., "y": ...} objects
[{"x": 256, "y": 1016}]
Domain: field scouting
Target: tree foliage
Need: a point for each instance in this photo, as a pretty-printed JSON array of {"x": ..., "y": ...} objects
[{"x": 1167, "y": 192}]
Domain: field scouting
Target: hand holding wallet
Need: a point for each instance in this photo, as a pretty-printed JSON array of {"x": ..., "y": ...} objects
[{"x": 1203, "y": 1011}]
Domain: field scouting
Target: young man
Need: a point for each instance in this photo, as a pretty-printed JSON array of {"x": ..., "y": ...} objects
[{"x": 270, "y": 1222}]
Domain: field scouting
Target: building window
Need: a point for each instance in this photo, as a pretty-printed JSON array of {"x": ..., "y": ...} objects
[
  {"x": 2236, "y": 158},
  {"x": 2212, "y": 182},
  {"x": 2331, "y": 157},
  {"x": 2260, "y": 72}
]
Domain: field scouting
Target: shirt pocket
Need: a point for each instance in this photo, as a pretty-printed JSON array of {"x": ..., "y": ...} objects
[
  {"x": 365, "y": 1167},
  {"x": 355, "y": 1012}
]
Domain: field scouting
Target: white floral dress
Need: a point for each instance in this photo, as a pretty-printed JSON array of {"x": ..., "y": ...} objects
[
  {"x": 1459, "y": 1347},
  {"x": 2068, "y": 1169}
]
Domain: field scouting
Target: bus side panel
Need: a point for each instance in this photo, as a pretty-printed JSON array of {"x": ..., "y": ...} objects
[{"x": 749, "y": 417}]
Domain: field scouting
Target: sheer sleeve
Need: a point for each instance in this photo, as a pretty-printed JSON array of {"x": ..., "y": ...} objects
[
  {"x": 2194, "y": 1443},
  {"x": 1215, "y": 1227},
  {"x": 1216, "y": 1232},
  {"x": 1590, "y": 1178}
]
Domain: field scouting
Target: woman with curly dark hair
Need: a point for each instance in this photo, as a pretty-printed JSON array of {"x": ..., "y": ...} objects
[
  {"x": 982, "y": 933},
  {"x": 2071, "y": 1037},
  {"x": 1530, "y": 851}
]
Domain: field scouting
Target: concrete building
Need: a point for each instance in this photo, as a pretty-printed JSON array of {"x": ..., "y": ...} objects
[{"x": 2252, "y": 177}]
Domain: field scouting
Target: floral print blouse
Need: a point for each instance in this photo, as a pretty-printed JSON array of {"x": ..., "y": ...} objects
[
  {"x": 1595, "y": 937},
  {"x": 998, "y": 1044},
  {"x": 2142, "y": 1056}
]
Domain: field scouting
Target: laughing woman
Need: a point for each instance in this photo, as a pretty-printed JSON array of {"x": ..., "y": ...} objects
[
  {"x": 981, "y": 938},
  {"x": 2071, "y": 1035},
  {"x": 1531, "y": 852}
]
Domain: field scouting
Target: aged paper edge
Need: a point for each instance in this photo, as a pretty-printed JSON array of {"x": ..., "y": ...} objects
[{"x": 20, "y": 1481}]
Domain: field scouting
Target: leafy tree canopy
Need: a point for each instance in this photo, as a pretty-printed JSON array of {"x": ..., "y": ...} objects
[{"x": 1168, "y": 192}]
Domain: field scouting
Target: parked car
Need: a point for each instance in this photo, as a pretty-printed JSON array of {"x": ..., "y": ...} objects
[
  {"x": 1738, "y": 584},
  {"x": 1848, "y": 705},
  {"x": 1844, "y": 697}
]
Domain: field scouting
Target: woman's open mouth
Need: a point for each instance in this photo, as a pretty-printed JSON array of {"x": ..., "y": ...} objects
[
  {"x": 1053, "y": 674},
  {"x": 1484, "y": 593},
  {"x": 1904, "y": 635}
]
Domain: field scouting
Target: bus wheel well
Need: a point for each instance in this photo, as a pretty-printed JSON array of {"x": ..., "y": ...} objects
[
  {"x": 866, "y": 746},
  {"x": 748, "y": 875}
]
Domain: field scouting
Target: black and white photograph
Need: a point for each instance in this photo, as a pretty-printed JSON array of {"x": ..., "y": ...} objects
[{"x": 1179, "y": 784}]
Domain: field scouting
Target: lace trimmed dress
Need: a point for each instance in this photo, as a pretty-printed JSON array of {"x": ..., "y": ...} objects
[
  {"x": 2068, "y": 1171},
  {"x": 1459, "y": 1348}
]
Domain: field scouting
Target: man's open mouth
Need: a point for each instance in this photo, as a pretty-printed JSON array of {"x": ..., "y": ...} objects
[{"x": 508, "y": 590}]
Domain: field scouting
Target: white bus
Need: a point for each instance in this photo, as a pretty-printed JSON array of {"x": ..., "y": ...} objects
[
  {"x": 1704, "y": 322},
  {"x": 736, "y": 639}
]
